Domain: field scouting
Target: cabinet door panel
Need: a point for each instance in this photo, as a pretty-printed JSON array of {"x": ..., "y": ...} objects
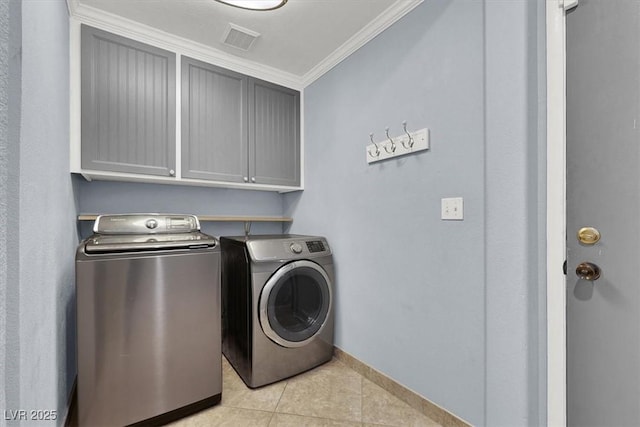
[
  {"x": 274, "y": 134},
  {"x": 128, "y": 105},
  {"x": 214, "y": 122}
]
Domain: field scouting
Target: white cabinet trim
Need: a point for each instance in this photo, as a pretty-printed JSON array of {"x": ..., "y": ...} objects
[
  {"x": 75, "y": 100},
  {"x": 91, "y": 175}
]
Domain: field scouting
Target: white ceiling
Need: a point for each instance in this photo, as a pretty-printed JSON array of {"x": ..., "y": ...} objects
[{"x": 304, "y": 38}]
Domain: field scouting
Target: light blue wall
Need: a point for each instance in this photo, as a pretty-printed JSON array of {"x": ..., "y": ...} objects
[
  {"x": 118, "y": 197},
  {"x": 4, "y": 130},
  {"x": 47, "y": 332},
  {"x": 39, "y": 350},
  {"x": 515, "y": 207},
  {"x": 449, "y": 309},
  {"x": 10, "y": 41}
]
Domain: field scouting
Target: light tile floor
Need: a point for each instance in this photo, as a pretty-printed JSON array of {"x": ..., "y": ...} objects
[{"x": 331, "y": 395}]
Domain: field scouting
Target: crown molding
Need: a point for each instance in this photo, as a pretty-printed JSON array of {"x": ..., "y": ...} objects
[
  {"x": 387, "y": 18},
  {"x": 128, "y": 28},
  {"x": 71, "y": 5},
  {"x": 146, "y": 34}
]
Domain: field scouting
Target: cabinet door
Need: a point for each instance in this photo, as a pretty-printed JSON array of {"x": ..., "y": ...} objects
[
  {"x": 214, "y": 123},
  {"x": 128, "y": 105},
  {"x": 274, "y": 134}
]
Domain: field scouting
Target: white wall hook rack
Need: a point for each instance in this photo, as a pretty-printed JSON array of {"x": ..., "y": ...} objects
[{"x": 407, "y": 143}]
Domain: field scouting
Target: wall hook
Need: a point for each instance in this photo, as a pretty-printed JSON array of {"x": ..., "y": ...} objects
[
  {"x": 393, "y": 144},
  {"x": 377, "y": 152},
  {"x": 410, "y": 142},
  {"x": 400, "y": 145}
]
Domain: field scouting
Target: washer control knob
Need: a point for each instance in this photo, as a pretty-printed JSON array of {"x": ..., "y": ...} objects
[
  {"x": 151, "y": 224},
  {"x": 296, "y": 248}
]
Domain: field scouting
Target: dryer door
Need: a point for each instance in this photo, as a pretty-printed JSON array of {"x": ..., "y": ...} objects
[{"x": 295, "y": 303}]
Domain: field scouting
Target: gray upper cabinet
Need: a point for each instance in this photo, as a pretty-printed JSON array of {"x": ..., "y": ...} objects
[
  {"x": 214, "y": 123},
  {"x": 237, "y": 128},
  {"x": 128, "y": 105},
  {"x": 274, "y": 134}
]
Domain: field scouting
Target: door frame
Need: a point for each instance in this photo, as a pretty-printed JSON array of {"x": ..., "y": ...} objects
[{"x": 556, "y": 212}]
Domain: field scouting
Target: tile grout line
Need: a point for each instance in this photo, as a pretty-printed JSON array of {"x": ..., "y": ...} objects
[
  {"x": 273, "y": 414},
  {"x": 320, "y": 417},
  {"x": 281, "y": 394}
]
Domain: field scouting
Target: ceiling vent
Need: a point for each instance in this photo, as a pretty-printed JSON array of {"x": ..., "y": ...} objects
[{"x": 238, "y": 37}]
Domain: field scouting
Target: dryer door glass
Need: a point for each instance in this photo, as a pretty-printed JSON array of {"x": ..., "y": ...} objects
[{"x": 295, "y": 303}]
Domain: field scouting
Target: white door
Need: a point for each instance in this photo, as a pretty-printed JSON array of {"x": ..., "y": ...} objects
[{"x": 603, "y": 195}]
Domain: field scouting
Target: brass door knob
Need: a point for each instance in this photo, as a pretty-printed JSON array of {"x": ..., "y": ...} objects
[{"x": 588, "y": 271}]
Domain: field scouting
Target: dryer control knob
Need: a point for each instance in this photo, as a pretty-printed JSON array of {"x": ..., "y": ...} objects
[{"x": 296, "y": 248}]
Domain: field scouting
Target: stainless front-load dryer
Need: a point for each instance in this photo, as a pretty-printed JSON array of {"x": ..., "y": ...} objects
[{"x": 277, "y": 305}]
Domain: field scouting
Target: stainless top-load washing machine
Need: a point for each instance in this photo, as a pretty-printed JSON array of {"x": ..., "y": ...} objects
[
  {"x": 277, "y": 305},
  {"x": 148, "y": 311}
]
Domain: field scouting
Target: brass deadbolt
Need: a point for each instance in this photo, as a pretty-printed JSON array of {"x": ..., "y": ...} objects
[{"x": 588, "y": 236}]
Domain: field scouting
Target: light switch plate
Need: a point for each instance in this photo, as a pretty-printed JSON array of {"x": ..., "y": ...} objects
[{"x": 452, "y": 209}]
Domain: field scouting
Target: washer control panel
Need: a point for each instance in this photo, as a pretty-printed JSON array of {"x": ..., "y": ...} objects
[
  {"x": 296, "y": 248},
  {"x": 306, "y": 247},
  {"x": 311, "y": 246},
  {"x": 145, "y": 224},
  {"x": 285, "y": 247},
  {"x": 315, "y": 246}
]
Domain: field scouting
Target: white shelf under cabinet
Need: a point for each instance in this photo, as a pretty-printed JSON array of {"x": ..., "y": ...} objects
[{"x": 91, "y": 175}]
